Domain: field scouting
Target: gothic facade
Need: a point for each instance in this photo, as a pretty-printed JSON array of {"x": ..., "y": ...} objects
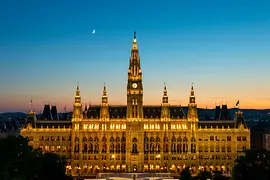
[{"x": 140, "y": 138}]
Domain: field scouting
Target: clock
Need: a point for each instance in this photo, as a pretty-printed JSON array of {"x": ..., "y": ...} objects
[{"x": 134, "y": 85}]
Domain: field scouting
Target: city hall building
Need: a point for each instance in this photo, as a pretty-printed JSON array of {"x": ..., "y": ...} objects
[{"x": 137, "y": 137}]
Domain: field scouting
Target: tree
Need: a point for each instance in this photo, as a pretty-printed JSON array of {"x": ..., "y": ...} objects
[
  {"x": 185, "y": 174},
  {"x": 52, "y": 167},
  {"x": 204, "y": 175},
  {"x": 254, "y": 165},
  {"x": 14, "y": 157},
  {"x": 21, "y": 162}
]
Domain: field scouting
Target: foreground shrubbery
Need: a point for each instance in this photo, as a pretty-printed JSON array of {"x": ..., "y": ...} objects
[
  {"x": 20, "y": 161},
  {"x": 255, "y": 164}
]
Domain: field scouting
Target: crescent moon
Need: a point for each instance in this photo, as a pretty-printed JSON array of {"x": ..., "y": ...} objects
[{"x": 93, "y": 31}]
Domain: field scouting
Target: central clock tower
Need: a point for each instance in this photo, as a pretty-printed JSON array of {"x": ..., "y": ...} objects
[
  {"x": 135, "y": 131},
  {"x": 134, "y": 85}
]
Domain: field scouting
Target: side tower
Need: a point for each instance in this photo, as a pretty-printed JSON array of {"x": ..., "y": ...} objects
[
  {"x": 193, "y": 119},
  {"x": 134, "y": 133},
  {"x": 104, "y": 110},
  {"x": 165, "y": 107},
  {"x": 76, "y": 136}
]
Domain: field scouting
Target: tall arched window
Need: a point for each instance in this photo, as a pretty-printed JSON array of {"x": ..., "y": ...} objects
[
  {"x": 117, "y": 146},
  {"x": 104, "y": 145},
  {"x": 165, "y": 145},
  {"x": 146, "y": 145},
  {"x": 173, "y": 146},
  {"x": 85, "y": 145},
  {"x": 193, "y": 145},
  {"x": 185, "y": 145},
  {"x": 77, "y": 145},
  {"x": 134, "y": 146},
  {"x": 179, "y": 145},
  {"x": 158, "y": 145},
  {"x": 123, "y": 144},
  {"x": 152, "y": 146},
  {"x": 111, "y": 145}
]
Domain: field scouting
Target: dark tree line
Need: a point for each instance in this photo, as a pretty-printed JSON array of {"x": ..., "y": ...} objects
[
  {"x": 255, "y": 164},
  {"x": 19, "y": 161}
]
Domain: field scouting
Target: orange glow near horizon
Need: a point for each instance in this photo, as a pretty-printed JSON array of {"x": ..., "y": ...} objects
[{"x": 19, "y": 103}]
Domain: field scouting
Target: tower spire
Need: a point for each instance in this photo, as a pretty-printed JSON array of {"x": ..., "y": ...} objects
[
  {"x": 104, "y": 111},
  {"x": 134, "y": 47},
  {"x": 165, "y": 94},
  {"x": 192, "y": 95},
  {"x": 77, "y": 106},
  {"x": 165, "y": 111},
  {"x": 104, "y": 96},
  {"x": 192, "y": 106}
]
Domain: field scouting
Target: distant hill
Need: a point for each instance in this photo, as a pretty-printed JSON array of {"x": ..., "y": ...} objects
[{"x": 12, "y": 115}]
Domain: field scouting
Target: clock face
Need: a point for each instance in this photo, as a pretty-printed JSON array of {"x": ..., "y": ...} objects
[{"x": 134, "y": 85}]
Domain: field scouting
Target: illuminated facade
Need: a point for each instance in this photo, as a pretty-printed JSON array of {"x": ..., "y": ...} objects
[{"x": 139, "y": 138}]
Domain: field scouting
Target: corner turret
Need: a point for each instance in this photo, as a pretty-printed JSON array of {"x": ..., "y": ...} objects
[
  {"x": 31, "y": 120},
  {"x": 240, "y": 122}
]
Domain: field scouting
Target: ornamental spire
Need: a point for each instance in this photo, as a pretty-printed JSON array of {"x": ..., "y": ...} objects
[
  {"x": 104, "y": 96},
  {"x": 192, "y": 95},
  {"x": 134, "y": 42},
  {"x": 165, "y": 94}
]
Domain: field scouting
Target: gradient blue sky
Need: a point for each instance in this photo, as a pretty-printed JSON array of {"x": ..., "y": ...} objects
[{"x": 46, "y": 47}]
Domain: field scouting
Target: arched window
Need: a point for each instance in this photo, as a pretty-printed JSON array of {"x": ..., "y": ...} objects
[
  {"x": 146, "y": 145},
  {"x": 77, "y": 145},
  {"x": 193, "y": 145},
  {"x": 104, "y": 146},
  {"x": 179, "y": 145},
  {"x": 134, "y": 146},
  {"x": 166, "y": 145},
  {"x": 185, "y": 145},
  {"x": 123, "y": 144},
  {"x": 111, "y": 145},
  {"x": 152, "y": 146},
  {"x": 158, "y": 145},
  {"x": 173, "y": 146}
]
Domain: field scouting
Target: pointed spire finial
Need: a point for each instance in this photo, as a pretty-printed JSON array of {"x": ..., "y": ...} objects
[
  {"x": 104, "y": 90},
  {"x": 134, "y": 34},
  {"x": 165, "y": 94}
]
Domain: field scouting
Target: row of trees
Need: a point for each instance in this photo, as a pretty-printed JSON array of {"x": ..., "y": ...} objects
[
  {"x": 254, "y": 165},
  {"x": 19, "y": 161}
]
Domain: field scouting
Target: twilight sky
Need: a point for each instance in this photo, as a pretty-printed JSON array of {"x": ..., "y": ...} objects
[{"x": 47, "y": 47}]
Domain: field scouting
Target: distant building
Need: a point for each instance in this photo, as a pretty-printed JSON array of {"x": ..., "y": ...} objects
[
  {"x": 266, "y": 141},
  {"x": 137, "y": 137},
  {"x": 260, "y": 136}
]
